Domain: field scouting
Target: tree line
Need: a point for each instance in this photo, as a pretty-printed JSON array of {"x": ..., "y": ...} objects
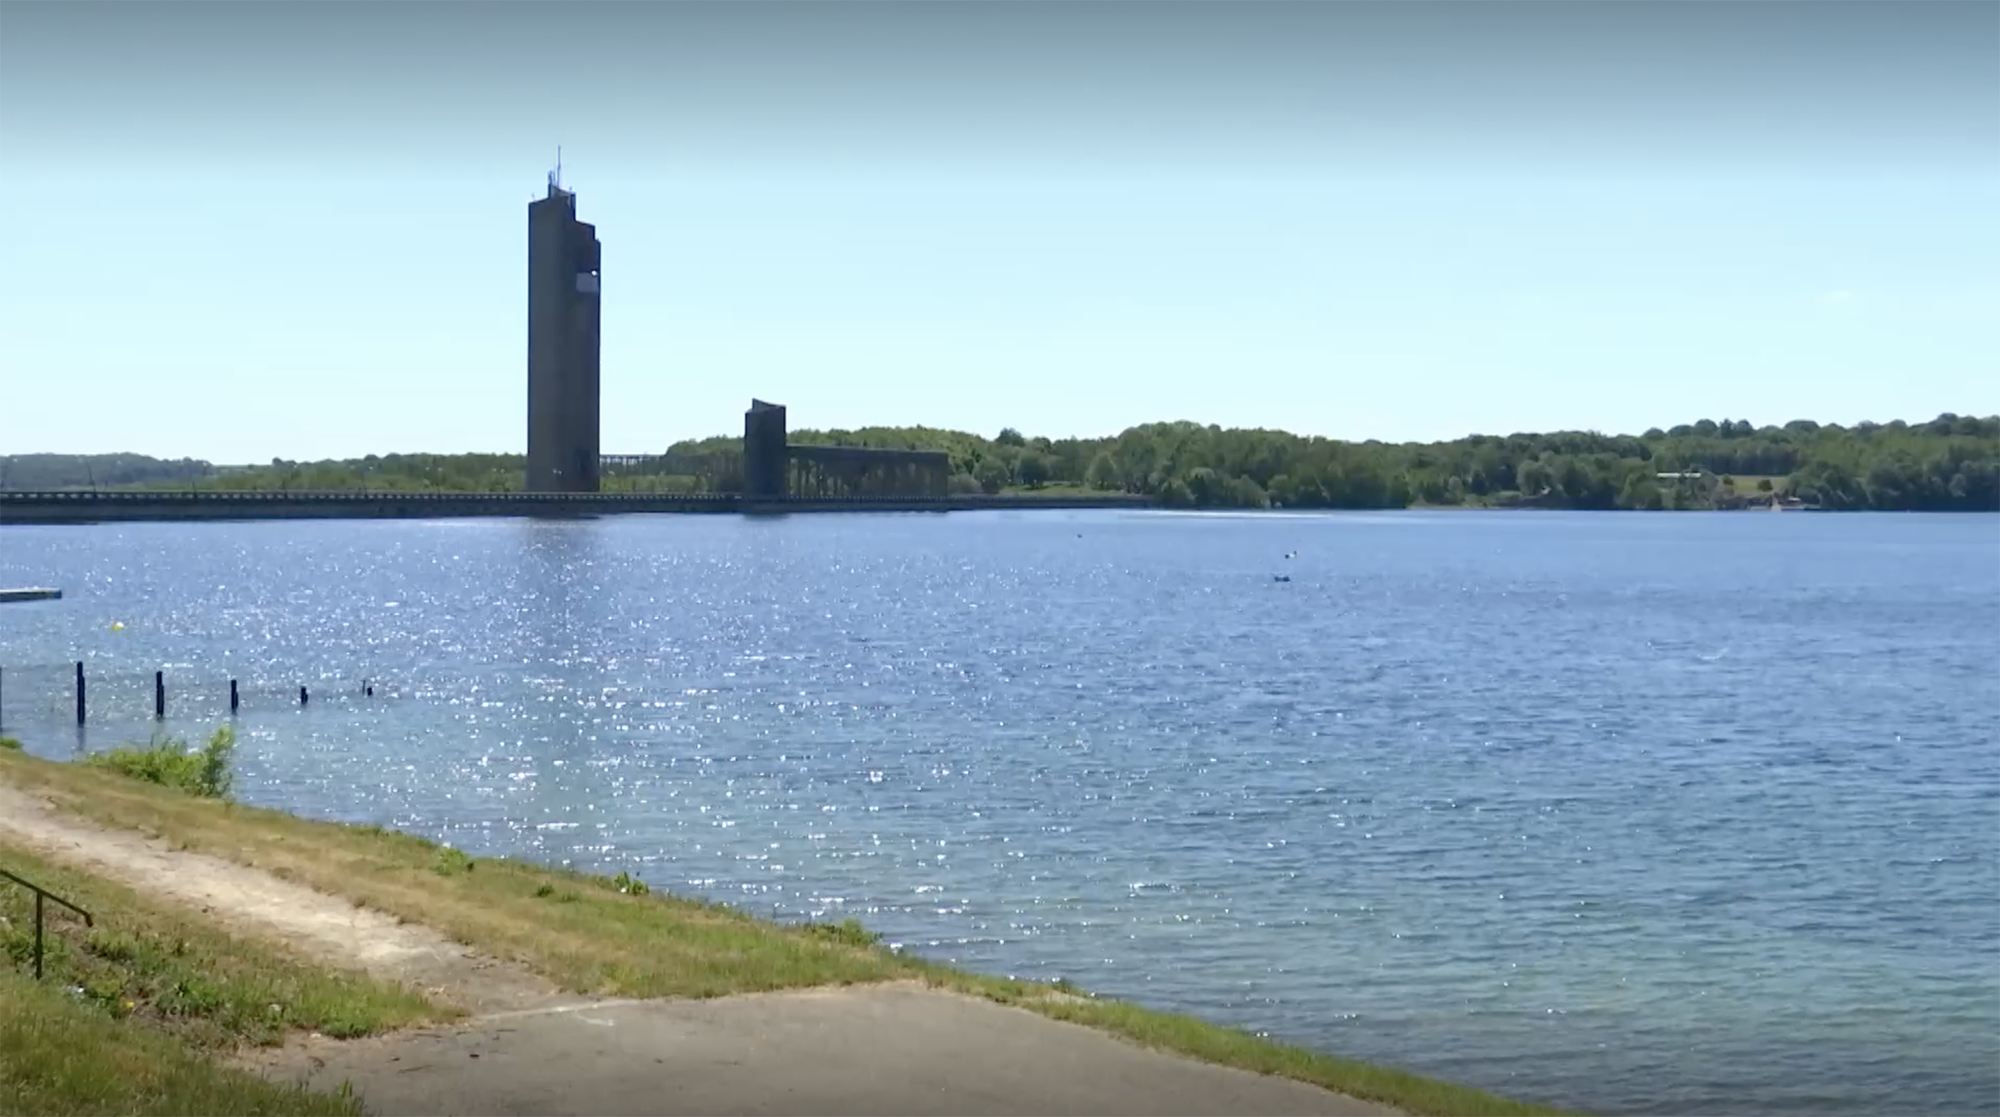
[
  {"x": 1950, "y": 463},
  {"x": 73, "y": 471}
]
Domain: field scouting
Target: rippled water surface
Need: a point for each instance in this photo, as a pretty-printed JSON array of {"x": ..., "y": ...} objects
[{"x": 1638, "y": 813}]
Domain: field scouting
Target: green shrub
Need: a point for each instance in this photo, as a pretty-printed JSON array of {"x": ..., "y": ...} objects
[
  {"x": 170, "y": 763},
  {"x": 451, "y": 862},
  {"x": 847, "y": 932},
  {"x": 10, "y": 743},
  {"x": 630, "y": 885}
]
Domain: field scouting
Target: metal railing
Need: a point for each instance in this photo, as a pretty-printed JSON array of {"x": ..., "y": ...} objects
[{"x": 41, "y": 893}]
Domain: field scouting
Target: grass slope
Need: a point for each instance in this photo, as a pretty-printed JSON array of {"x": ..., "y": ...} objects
[
  {"x": 172, "y": 970},
  {"x": 59, "y": 1056},
  {"x": 589, "y": 936},
  {"x": 130, "y": 1012}
]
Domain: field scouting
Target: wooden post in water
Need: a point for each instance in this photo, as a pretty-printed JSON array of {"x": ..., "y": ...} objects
[
  {"x": 232, "y": 698},
  {"x": 79, "y": 692},
  {"x": 159, "y": 695},
  {"x": 302, "y": 696}
]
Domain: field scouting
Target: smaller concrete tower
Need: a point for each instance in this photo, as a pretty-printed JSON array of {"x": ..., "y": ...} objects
[{"x": 764, "y": 451}]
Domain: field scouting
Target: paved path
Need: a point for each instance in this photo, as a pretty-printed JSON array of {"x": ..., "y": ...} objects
[
  {"x": 883, "y": 1049},
  {"x": 893, "y": 1049}
]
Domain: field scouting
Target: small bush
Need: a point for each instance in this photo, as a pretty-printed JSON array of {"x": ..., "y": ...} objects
[
  {"x": 451, "y": 862},
  {"x": 10, "y": 743},
  {"x": 630, "y": 885},
  {"x": 847, "y": 932},
  {"x": 544, "y": 890},
  {"x": 170, "y": 763}
]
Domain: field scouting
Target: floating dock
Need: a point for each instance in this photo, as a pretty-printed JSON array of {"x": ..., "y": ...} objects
[{"x": 30, "y": 593}]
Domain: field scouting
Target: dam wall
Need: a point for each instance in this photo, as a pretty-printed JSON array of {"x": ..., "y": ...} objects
[{"x": 110, "y": 506}]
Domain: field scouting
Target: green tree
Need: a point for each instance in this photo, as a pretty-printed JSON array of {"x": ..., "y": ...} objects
[
  {"x": 1246, "y": 493},
  {"x": 1640, "y": 492},
  {"x": 993, "y": 475}
]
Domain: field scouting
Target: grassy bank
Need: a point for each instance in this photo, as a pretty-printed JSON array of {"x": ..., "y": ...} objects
[
  {"x": 130, "y": 1011},
  {"x": 58, "y": 1056},
  {"x": 590, "y": 935}
]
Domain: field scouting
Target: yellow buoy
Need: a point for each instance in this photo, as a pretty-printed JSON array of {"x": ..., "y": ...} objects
[{"x": 116, "y": 625}]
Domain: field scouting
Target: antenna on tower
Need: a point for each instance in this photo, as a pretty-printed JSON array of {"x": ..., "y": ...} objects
[{"x": 558, "y": 164}]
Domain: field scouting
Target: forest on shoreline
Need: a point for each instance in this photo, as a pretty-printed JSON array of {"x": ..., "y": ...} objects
[{"x": 1950, "y": 463}]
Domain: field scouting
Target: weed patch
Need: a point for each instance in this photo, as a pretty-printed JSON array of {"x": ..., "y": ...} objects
[
  {"x": 61, "y": 1055},
  {"x": 847, "y": 932},
  {"x": 451, "y": 862},
  {"x": 170, "y": 763}
]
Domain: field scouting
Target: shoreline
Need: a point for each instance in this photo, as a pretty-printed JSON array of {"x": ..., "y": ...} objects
[{"x": 593, "y": 938}]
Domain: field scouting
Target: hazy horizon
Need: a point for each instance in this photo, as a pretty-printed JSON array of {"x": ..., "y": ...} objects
[{"x": 256, "y": 231}]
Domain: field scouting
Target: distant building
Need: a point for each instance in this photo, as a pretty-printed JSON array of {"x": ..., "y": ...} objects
[
  {"x": 764, "y": 459},
  {"x": 774, "y": 469},
  {"x": 1695, "y": 475},
  {"x": 564, "y": 271}
]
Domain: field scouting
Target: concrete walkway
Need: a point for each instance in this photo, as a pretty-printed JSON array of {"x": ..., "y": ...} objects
[{"x": 871, "y": 1050}]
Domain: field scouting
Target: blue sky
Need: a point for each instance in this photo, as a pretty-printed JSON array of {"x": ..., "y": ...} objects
[{"x": 245, "y": 231}]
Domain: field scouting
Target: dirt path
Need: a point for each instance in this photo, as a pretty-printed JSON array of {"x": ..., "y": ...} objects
[
  {"x": 251, "y": 901},
  {"x": 889, "y": 1049}
]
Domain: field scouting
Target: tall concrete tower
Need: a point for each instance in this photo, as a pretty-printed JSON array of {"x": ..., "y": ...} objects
[{"x": 563, "y": 274}]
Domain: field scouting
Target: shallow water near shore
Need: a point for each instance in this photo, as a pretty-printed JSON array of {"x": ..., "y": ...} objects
[{"x": 1640, "y": 814}]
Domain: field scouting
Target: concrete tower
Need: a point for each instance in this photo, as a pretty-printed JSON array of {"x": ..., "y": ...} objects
[
  {"x": 563, "y": 275},
  {"x": 764, "y": 461}
]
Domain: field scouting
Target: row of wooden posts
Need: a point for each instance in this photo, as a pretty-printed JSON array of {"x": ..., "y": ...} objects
[{"x": 160, "y": 694}]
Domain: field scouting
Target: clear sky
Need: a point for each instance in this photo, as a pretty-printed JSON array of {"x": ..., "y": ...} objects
[{"x": 239, "y": 231}]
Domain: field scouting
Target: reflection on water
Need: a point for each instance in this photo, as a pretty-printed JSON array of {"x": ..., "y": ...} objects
[{"x": 1634, "y": 813}]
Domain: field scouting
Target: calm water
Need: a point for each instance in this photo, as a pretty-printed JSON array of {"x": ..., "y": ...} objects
[{"x": 1640, "y": 813}]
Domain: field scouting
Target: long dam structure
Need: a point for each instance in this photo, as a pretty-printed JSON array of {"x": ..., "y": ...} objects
[{"x": 121, "y": 505}]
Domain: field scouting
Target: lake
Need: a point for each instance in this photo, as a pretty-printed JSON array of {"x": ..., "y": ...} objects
[{"x": 1639, "y": 813}]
